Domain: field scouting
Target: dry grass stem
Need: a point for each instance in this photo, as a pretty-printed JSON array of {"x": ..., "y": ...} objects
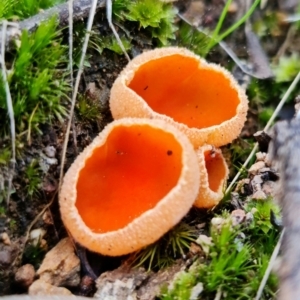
[
  {"x": 75, "y": 91},
  {"x": 112, "y": 27},
  {"x": 9, "y": 109}
]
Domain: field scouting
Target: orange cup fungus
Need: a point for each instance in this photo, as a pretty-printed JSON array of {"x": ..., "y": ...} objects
[
  {"x": 213, "y": 176},
  {"x": 201, "y": 99},
  {"x": 132, "y": 184}
]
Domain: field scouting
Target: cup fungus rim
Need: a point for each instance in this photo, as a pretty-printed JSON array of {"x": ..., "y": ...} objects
[
  {"x": 167, "y": 211},
  {"x": 207, "y": 198},
  {"x": 208, "y": 133}
]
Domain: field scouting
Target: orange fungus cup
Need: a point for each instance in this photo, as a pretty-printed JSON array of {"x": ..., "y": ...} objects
[
  {"x": 136, "y": 180},
  {"x": 213, "y": 176},
  {"x": 202, "y": 100}
]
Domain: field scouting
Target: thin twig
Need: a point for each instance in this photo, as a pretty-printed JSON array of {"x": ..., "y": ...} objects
[
  {"x": 112, "y": 27},
  {"x": 80, "y": 71},
  {"x": 283, "y": 100},
  {"x": 267, "y": 127},
  {"x": 10, "y": 110},
  {"x": 71, "y": 66},
  {"x": 270, "y": 266},
  {"x": 33, "y": 222}
]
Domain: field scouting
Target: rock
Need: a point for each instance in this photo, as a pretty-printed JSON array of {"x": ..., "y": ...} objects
[
  {"x": 217, "y": 222},
  {"x": 237, "y": 216},
  {"x": 50, "y": 151},
  {"x": 243, "y": 186},
  {"x": 261, "y": 156},
  {"x": 7, "y": 254},
  {"x": 61, "y": 266},
  {"x": 127, "y": 283},
  {"x": 24, "y": 276},
  {"x": 121, "y": 283},
  {"x": 195, "y": 249},
  {"x": 259, "y": 195},
  {"x": 205, "y": 242},
  {"x": 270, "y": 188},
  {"x": 268, "y": 160},
  {"x": 256, "y": 183},
  {"x": 254, "y": 169},
  {"x": 5, "y": 257},
  {"x": 4, "y": 238},
  {"x": 41, "y": 288},
  {"x": 152, "y": 287},
  {"x": 249, "y": 218},
  {"x": 46, "y": 162},
  {"x": 36, "y": 235}
]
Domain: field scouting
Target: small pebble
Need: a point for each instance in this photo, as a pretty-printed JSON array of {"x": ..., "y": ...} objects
[
  {"x": 249, "y": 218},
  {"x": 261, "y": 156},
  {"x": 256, "y": 183},
  {"x": 5, "y": 257},
  {"x": 217, "y": 222},
  {"x": 41, "y": 288},
  {"x": 36, "y": 235},
  {"x": 259, "y": 195},
  {"x": 4, "y": 238},
  {"x": 50, "y": 151},
  {"x": 268, "y": 160},
  {"x": 237, "y": 216},
  {"x": 254, "y": 169},
  {"x": 24, "y": 276},
  {"x": 205, "y": 242},
  {"x": 195, "y": 249}
]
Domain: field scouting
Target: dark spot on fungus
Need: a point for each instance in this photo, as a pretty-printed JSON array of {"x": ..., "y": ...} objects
[
  {"x": 146, "y": 88},
  {"x": 169, "y": 152}
]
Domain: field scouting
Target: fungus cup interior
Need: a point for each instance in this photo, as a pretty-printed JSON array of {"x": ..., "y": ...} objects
[
  {"x": 178, "y": 87},
  {"x": 215, "y": 169},
  {"x": 129, "y": 174}
]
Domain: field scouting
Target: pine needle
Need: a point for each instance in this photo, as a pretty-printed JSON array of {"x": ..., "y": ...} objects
[
  {"x": 74, "y": 95},
  {"x": 9, "y": 109},
  {"x": 112, "y": 27}
]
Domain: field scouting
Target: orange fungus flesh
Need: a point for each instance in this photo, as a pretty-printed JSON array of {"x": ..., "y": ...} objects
[
  {"x": 215, "y": 170},
  {"x": 176, "y": 86},
  {"x": 128, "y": 175}
]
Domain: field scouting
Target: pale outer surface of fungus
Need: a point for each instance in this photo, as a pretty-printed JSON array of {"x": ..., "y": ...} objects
[
  {"x": 149, "y": 226},
  {"x": 124, "y": 102},
  {"x": 208, "y": 198}
]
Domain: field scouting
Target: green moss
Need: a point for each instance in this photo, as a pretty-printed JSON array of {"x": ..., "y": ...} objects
[
  {"x": 170, "y": 247},
  {"x": 287, "y": 67},
  {"x": 88, "y": 110},
  {"x": 37, "y": 81},
  {"x": 22, "y": 9},
  {"x": 154, "y": 16},
  {"x": 193, "y": 39},
  {"x": 32, "y": 179},
  {"x": 236, "y": 261},
  {"x": 34, "y": 254}
]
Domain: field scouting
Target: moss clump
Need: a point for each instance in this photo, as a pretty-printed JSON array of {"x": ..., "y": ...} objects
[
  {"x": 165, "y": 251},
  {"x": 236, "y": 260},
  {"x": 22, "y": 9},
  {"x": 36, "y": 80},
  {"x": 156, "y": 17}
]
